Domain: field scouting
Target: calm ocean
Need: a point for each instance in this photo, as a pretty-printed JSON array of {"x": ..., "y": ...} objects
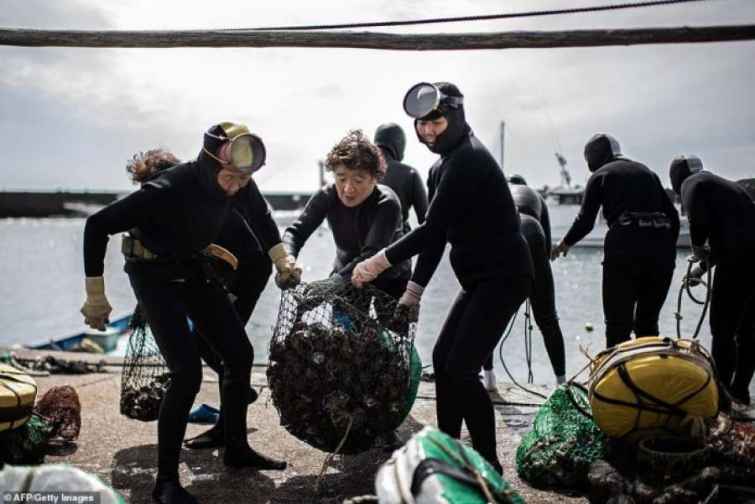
[{"x": 42, "y": 290}]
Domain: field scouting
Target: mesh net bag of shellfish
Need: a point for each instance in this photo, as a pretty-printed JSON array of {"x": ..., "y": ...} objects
[
  {"x": 563, "y": 442},
  {"x": 145, "y": 376},
  {"x": 342, "y": 371}
]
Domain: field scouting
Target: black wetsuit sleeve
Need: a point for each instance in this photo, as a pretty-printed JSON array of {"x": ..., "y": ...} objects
[
  {"x": 429, "y": 238},
  {"x": 428, "y": 260},
  {"x": 669, "y": 209},
  {"x": 693, "y": 201},
  {"x": 585, "y": 220},
  {"x": 314, "y": 213},
  {"x": 387, "y": 220},
  {"x": 261, "y": 221},
  {"x": 419, "y": 197},
  {"x": 122, "y": 215},
  {"x": 545, "y": 222}
]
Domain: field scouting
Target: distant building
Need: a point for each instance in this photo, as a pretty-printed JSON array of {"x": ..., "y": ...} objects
[{"x": 566, "y": 195}]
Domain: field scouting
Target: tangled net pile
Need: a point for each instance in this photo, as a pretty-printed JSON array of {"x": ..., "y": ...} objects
[
  {"x": 342, "y": 371},
  {"x": 145, "y": 376},
  {"x": 566, "y": 450}
]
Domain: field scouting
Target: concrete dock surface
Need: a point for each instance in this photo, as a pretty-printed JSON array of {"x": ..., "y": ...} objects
[{"x": 123, "y": 452}]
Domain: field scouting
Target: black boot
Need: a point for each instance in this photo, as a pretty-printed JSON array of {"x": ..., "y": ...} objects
[
  {"x": 740, "y": 394},
  {"x": 497, "y": 466},
  {"x": 211, "y": 438},
  {"x": 171, "y": 492},
  {"x": 244, "y": 456},
  {"x": 235, "y": 400}
]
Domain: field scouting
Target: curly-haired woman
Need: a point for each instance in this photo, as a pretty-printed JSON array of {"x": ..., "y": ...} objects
[{"x": 363, "y": 215}]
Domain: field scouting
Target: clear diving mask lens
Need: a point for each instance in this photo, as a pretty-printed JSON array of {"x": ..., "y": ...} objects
[
  {"x": 424, "y": 98},
  {"x": 241, "y": 150}
]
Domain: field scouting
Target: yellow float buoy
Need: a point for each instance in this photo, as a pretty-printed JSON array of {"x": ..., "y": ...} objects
[
  {"x": 652, "y": 383},
  {"x": 18, "y": 391}
]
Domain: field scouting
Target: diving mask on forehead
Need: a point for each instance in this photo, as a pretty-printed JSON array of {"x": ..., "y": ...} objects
[
  {"x": 235, "y": 147},
  {"x": 424, "y": 98}
]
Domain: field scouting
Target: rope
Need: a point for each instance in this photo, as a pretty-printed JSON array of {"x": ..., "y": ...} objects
[
  {"x": 686, "y": 287},
  {"x": 330, "y": 456},
  {"x": 503, "y": 362},
  {"x": 528, "y": 341},
  {"x": 484, "y": 17}
]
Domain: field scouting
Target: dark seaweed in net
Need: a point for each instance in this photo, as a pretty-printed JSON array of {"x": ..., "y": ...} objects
[
  {"x": 61, "y": 409},
  {"x": 336, "y": 366},
  {"x": 145, "y": 376}
]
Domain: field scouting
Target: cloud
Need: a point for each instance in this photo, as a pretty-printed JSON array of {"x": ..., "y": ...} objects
[
  {"x": 46, "y": 15},
  {"x": 98, "y": 106}
]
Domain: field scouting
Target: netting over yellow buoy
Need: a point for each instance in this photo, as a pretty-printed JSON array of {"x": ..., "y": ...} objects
[{"x": 652, "y": 383}]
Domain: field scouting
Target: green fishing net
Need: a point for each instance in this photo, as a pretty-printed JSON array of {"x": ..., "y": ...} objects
[{"x": 563, "y": 442}]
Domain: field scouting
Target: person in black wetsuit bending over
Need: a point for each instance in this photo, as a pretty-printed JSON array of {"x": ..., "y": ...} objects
[
  {"x": 536, "y": 228},
  {"x": 176, "y": 217},
  {"x": 722, "y": 215},
  {"x": 363, "y": 216},
  {"x": 639, "y": 251},
  {"x": 402, "y": 178},
  {"x": 472, "y": 209},
  {"x": 246, "y": 284}
]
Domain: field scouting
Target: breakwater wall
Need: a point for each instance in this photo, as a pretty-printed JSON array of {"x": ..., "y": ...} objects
[{"x": 65, "y": 203}]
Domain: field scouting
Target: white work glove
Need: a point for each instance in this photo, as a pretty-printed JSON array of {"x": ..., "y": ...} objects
[
  {"x": 96, "y": 309},
  {"x": 369, "y": 269},
  {"x": 288, "y": 272},
  {"x": 412, "y": 295}
]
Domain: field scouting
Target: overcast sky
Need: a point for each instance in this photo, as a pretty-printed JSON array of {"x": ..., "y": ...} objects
[{"x": 70, "y": 118}]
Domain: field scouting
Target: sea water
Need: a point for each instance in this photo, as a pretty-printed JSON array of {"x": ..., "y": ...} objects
[{"x": 42, "y": 290}]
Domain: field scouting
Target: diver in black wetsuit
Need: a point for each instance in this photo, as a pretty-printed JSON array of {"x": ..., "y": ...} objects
[
  {"x": 402, "y": 178},
  {"x": 721, "y": 214},
  {"x": 489, "y": 256},
  {"x": 175, "y": 217},
  {"x": 639, "y": 251},
  {"x": 246, "y": 285},
  {"x": 536, "y": 228},
  {"x": 363, "y": 215}
]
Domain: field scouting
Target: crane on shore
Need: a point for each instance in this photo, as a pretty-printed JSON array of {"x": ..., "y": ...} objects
[
  {"x": 566, "y": 194},
  {"x": 565, "y": 175}
]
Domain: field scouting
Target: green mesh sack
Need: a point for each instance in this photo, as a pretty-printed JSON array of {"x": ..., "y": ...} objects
[
  {"x": 563, "y": 442},
  {"x": 26, "y": 444},
  {"x": 435, "y": 468}
]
